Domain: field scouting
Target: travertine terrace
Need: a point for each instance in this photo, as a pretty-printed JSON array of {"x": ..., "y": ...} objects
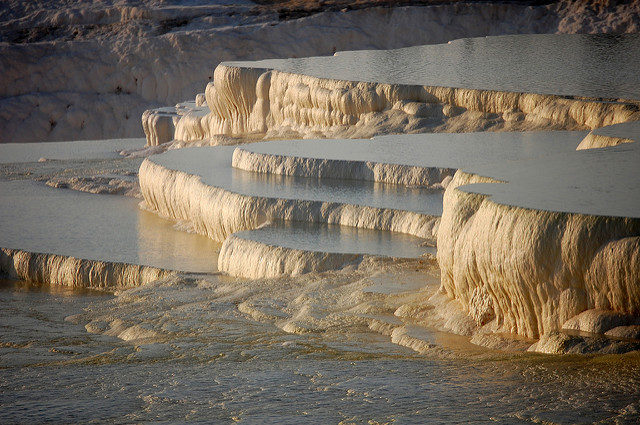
[{"x": 517, "y": 257}]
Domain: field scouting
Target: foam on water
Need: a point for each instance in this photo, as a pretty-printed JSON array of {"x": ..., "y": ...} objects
[{"x": 216, "y": 350}]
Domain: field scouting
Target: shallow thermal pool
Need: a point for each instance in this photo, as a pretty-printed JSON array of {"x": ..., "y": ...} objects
[
  {"x": 37, "y": 218},
  {"x": 600, "y": 65},
  {"x": 592, "y": 181},
  {"x": 213, "y": 164},
  {"x": 82, "y": 149},
  {"x": 474, "y": 152},
  {"x": 337, "y": 239}
]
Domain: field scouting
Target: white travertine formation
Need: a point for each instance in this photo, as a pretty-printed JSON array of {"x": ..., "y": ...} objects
[
  {"x": 251, "y": 259},
  {"x": 599, "y": 321},
  {"x": 47, "y": 93},
  {"x": 52, "y": 269},
  {"x": 337, "y": 169},
  {"x": 612, "y": 135},
  {"x": 159, "y": 125},
  {"x": 217, "y": 213},
  {"x": 532, "y": 270},
  {"x": 253, "y": 100}
]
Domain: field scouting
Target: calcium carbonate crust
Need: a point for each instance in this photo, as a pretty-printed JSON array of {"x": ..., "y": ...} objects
[
  {"x": 339, "y": 169},
  {"x": 251, "y": 259},
  {"x": 53, "y": 269},
  {"x": 217, "y": 213},
  {"x": 46, "y": 93},
  {"x": 280, "y": 104},
  {"x": 527, "y": 271}
]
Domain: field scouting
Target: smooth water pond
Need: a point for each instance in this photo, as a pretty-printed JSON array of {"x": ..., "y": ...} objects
[
  {"x": 600, "y": 66},
  {"x": 81, "y": 149},
  {"x": 593, "y": 181},
  {"x": 337, "y": 239},
  {"x": 213, "y": 164},
  {"x": 37, "y": 218},
  {"x": 473, "y": 152},
  {"x": 542, "y": 170}
]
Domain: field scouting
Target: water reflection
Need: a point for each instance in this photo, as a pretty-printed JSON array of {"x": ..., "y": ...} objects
[
  {"x": 213, "y": 164},
  {"x": 338, "y": 239},
  {"x": 37, "y": 218}
]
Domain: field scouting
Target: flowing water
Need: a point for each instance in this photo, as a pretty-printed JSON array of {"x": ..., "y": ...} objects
[
  {"x": 206, "y": 348},
  {"x": 182, "y": 351}
]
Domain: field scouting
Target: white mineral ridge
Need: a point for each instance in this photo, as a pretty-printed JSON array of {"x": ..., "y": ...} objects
[
  {"x": 66, "y": 237},
  {"x": 296, "y": 248},
  {"x": 612, "y": 135},
  {"x": 90, "y": 70},
  {"x": 409, "y": 160},
  {"x": 251, "y": 259},
  {"x": 217, "y": 212},
  {"x": 359, "y": 94},
  {"x": 52, "y": 269},
  {"x": 530, "y": 270}
]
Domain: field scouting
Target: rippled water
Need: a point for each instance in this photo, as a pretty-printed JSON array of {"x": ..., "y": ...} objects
[
  {"x": 201, "y": 360},
  {"x": 213, "y": 349},
  {"x": 600, "y": 65}
]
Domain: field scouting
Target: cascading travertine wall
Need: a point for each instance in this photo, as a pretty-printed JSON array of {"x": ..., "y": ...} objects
[
  {"x": 532, "y": 270},
  {"x": 218, "y": 213},
  {"x": 52, "y": 269},
  {"x": 159, "y": 127},
  {"x": 254, "y": 100},
  {"x": 254, "y": 260}
]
